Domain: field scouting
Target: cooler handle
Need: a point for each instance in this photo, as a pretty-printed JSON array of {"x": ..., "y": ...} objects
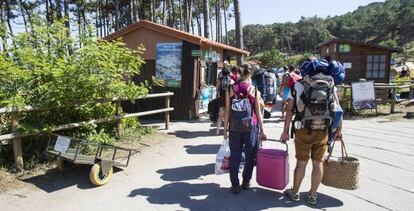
[{"x": 280, "y": 141}]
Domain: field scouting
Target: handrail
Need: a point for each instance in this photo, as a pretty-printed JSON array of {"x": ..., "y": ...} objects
[
  {"x": 30, "y": 108},
  {"x": 16, "y": 135}
]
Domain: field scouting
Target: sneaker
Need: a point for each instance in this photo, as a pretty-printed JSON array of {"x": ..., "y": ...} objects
[
  {"x": 245, "y": 185},
  {"x": 235, "y": 189},
  {"x": 292, "y": 195},
  {"x": 312, "y": 199}
]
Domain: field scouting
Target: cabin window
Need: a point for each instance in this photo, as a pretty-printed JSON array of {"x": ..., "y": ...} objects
[
  {"x": 344, "y": 48},
  {"x": 376, "y": 66}
]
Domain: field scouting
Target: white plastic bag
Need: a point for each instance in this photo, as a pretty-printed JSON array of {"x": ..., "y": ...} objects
[{"x": 223, "y": 159}]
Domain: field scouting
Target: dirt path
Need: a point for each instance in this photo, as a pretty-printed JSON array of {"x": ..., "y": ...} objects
[{"x": 178, "y": 174}]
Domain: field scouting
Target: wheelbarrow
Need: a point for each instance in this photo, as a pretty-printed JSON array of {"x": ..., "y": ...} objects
[{"x": 73, "y": 151}]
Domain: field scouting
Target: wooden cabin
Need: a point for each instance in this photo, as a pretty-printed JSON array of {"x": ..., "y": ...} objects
[
  {"x": 187, "y": 65},
  {"x": 361, "y": 60}
]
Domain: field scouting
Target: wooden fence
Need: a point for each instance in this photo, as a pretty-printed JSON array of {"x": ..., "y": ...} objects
[
  {"x": 392, "y": 88},
  {"x": 16, "y": 136}
]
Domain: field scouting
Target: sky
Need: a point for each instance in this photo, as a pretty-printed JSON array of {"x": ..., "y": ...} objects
[{"x": 280, "y": 11}]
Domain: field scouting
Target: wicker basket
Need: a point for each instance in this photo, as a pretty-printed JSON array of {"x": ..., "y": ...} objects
[{"x": 341, "y": 172}]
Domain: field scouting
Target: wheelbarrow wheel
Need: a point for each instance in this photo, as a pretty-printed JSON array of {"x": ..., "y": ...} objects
[
  {"x": 64, "y": 165},
  {"x": 97, "y": 177}
]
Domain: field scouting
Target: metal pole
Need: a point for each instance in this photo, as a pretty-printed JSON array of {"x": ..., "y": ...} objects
[
  {"x": 167, "y": 114},
  {"x": 17, "y": 143}
]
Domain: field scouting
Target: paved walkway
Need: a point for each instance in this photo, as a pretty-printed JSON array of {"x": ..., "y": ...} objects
[{"x": 179, "y": 175}]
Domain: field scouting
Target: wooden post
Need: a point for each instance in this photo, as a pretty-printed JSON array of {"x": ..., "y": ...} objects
[
  {"x": 118, "y": 114},
  {"x": 167, "y": 114},
  {"x": 392, "y": 109},
  {"x": 17, "y": 143}
]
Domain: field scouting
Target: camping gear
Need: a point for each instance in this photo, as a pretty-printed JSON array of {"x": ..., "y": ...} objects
[
  {"x": 315, "y": 104},
  {"x": 222, "y": 165},
  {"x": 265, "y": 82},
  {"x": 241, "y": 115},
  {"x": 73, "y": 151},
  {"x": 337, "y": 71},
  {"x": 337, "y": 116},
  {"x": 272, "y": 169},
  {"x": 224, "y": 85},
  {"x": 341, "y": 172}
]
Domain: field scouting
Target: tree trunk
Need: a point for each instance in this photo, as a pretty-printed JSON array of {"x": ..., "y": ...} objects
[
  {"x": 169, "y": 13},
  {"x": 51, "y": 11},
  {"x": 134, "y": 10},
  {"x": 211, "y": 28},
  {"x": 239, "y": 29},
  {"x": 151, "y": 5},
  {"x": 198, "y": 19},
  {"x": 66, "y": 12},
  {"x": 3, "y": 40},
  {"x": 21, "y": 6},
  {"x": 180, "y": 7},
  {"x": 163, "y": 21},
  {"x": 58, "y": 9},
  {"x": 206, "y": 16},
  {"x": 218, "y": 21},
  {"x": 8, "y": 18},
  {"x": 225, "y": 21},
  {"x": 173, "y": 14},
  {"x": 47, "y": 11},
  {"x": 79, "y": 19},
  {"x": 190, "y": 16},
  {"x": 116, "y": 2}
]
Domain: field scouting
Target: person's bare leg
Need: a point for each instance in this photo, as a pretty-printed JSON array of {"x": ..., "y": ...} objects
[
  {"x": 317, "y": 173},
  {"x": 283, "y": 109},
  {"x": 299, "y": 174},
  {"x": 219, "y": 120}
]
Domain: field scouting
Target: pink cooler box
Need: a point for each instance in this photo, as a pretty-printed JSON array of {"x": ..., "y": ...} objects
[{"x": 272, "y": 170}]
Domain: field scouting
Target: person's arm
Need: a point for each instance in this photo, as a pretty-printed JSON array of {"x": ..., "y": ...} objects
[
  {"x": 227, "y": 112},
  {"x": 259, "y": 113},
  {"x": 288, "y": 120}
]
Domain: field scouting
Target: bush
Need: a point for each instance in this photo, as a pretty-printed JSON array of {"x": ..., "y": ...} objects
[{"x": 62, "y": 76}]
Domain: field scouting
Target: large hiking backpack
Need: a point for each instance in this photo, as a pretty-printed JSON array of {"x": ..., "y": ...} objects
[
  {"x": 224, "y": 84},
  {"x": 265, "y": 83},
  {"x": 241, "y": 115},
  {"x": 314, "y": 107}
]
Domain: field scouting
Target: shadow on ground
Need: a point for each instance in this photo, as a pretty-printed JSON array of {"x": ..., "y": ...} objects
[
  {"x": 191, "y": 134},
  {"x": 202, "y": 149},
  {"x": 211, "y": 196},
  {"x": 54, "y": 180},
  {"x": 186, "y": 172}
]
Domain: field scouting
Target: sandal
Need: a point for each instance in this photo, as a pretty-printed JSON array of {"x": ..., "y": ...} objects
[
  {"x": 312, "y": 199},
  {"x": 292, "y": 195}
]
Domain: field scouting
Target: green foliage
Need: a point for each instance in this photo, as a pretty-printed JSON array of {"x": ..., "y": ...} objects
[
  {"x": 63, "y": 76},
  {"x": 272, "y": 58},
  {"x": 389, "y": 43}
]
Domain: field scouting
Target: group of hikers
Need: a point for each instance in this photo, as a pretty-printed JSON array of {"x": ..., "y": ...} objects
[{"x": 247, "y": 94}]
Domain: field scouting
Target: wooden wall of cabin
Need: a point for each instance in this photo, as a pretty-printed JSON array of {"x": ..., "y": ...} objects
[
  {"x": 358, "y": 58},
  {"x": 184, "y": 98}
]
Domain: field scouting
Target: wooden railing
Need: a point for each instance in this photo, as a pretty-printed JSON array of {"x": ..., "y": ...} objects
[
  {"x": 393, "y": 90},
  {"x": 16, "y": 136}
]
